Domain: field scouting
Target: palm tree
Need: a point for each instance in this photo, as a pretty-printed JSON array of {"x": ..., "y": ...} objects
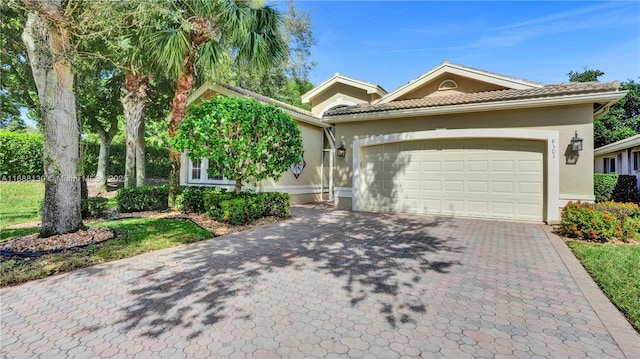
[{"x": 200, "y": 37}]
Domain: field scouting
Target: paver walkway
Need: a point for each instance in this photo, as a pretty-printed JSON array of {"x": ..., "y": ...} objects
[{"x": 323, "y": 284}]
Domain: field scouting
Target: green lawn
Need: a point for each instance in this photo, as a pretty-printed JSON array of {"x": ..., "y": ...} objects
[
  {"x": 19, "y": 202},
  {"x": 616, "y": 269},
  {"x": 140, "y": 235}
]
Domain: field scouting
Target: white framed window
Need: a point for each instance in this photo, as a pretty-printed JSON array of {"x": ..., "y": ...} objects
[
  {"x": 636, "y": 161},
  {"x": 609, "y": 165},
  {"x": 195, "y": 169},
  {"x": 198, "y": 172},
  {"x": 217, "y": 176}
]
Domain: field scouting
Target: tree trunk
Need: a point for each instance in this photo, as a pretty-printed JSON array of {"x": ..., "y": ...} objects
[
  {"x": 103, "y": 159},
  {"x": 46, "y": 45},
  {"x": 140, "y": 157},
  {"x": 134, "y": 104},
  {"x": 238, "y": 186},
  {"x": 178, "y": 107}
]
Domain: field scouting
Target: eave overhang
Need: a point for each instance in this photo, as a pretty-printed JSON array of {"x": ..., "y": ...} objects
[{"x": 608, "y": 97}]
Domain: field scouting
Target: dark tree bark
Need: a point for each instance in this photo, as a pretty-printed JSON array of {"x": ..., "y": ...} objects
[{"x": 178, "y": 107}]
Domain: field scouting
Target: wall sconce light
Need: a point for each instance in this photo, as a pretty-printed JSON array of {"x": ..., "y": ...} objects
[
  {"x": 341, "y": 151},
  {"x": 576, "y": 143}
]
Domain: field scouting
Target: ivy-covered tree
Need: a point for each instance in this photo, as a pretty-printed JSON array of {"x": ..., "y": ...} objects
[{"x": 244, "y": 140}]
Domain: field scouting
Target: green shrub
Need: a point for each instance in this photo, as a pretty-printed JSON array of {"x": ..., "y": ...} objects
[
  {"x": 156, "y": 158},
  {"x": 243, "y": 208},
  {"x": 626, "y": 189},
  {"x": 277, "y": 204},
  {"x": 602, "y": 221},
  {"x": 603, "y": 185},
  {"x": 613, "y": 187},
  {"x": 94, "y": 207},
  {"x": 20, "y": 154},
  {"x": 146, "y": 198},
  {"x": 192, "y": 198}
]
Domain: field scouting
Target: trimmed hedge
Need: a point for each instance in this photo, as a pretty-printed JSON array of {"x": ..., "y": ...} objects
[
  {"x": 21, "y": 155},
  {"x": 157, "y": 159},
  {"x": 601, "y": 221},
  {"x": 146, "y": 198},
  {"x": 613, "y": 187},
  {"x": 191, "y": 198},
  {"x": 245, "y": 207},
  {"x": 94, "y": 207}
]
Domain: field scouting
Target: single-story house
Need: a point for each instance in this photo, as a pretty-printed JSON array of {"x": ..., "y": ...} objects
[
  {"x": 454, "y": 141},
  {"x": 622, "y": 157}
]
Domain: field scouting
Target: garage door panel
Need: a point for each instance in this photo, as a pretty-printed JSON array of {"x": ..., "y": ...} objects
[
  {"x": 503, "y": 166},
  {"x": 432, "y": 185},
  {"x": 478, "y": 207},
  {"x": 478, "y": 178},
  {"x": 454, "y": 186},
  {"x": 453, "y": 166},
  {"x": 533, "y": 188},
  {"x": 481, "y": 166},
  {"x": 502, "y": 187}
]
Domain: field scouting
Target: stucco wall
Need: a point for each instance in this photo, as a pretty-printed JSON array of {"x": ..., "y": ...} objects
[
  {"x": 576, "y": 179},
  {"x": 310, "y": 178}
]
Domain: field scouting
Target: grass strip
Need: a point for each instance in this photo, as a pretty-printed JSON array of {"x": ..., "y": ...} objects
[
  {"x": 616, "y": 269},
  {"x": 139, "y": 235}
]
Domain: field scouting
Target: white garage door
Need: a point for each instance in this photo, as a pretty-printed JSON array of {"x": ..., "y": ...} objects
[{"x": 487, "y": 178}]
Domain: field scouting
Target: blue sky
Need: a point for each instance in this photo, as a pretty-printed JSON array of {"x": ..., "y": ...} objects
[{"x": 393, "y": 42}]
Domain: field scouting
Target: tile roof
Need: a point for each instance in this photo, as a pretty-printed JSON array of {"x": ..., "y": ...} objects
[
  {"x": 573, "y": 88},
  {"x": 269, "y": 100}
]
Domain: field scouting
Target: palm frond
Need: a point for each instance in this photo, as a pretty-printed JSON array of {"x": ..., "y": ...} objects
[{"x": 170, "y": 47}]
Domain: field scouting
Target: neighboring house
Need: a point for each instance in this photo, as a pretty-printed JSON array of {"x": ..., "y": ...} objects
[
  {"x": 622, "y": 157},
  {"x": 455, "y": 141}
]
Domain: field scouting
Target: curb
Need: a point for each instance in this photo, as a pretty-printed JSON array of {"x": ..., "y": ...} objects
[{"x": 621, "y": 331}]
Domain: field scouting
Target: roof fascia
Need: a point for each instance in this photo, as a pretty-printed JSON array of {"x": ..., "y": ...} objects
[
  {"x": 629, "y": 142},
  {"x": 478, "y": 107},
  {"x": 227, "y": 92},
  {"x": 460, "y": 71},
  {"x": 338, "y": 78}
]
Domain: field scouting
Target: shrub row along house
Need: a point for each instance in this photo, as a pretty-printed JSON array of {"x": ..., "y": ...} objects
[{"x": 455, "y": 141}]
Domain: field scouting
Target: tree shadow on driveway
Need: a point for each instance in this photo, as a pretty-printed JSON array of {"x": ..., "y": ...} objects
[{"x": 377, "y": 258}]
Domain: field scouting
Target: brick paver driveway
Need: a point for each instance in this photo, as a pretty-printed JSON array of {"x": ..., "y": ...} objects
[{"x": 323, "y": 284}]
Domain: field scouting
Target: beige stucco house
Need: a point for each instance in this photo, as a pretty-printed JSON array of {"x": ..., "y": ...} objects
[
  {"x": 455, "y": 141},
  {"x": 622, "y": 157}
]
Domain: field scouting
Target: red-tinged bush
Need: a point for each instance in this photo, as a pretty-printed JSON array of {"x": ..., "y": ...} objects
[{"x": 602, "y": 221}]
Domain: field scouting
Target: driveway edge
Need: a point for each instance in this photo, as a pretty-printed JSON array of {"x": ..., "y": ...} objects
[{"x": 618, "y": 327}]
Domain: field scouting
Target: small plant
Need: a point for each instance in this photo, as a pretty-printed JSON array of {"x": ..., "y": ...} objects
[
  {"x": 602, "y": 221},
  {"x": 146, "y": 198},
  {"x": 94, "y": 207}
]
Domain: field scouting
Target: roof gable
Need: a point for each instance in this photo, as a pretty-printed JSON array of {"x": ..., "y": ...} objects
[
  {"x": 473, "y": 80},
  {"x": 337, "y": 78},
  {"x": 208, "y": 90}
]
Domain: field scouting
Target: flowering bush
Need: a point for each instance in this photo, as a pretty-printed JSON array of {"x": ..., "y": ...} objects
[{"x": 602, "y": 221}]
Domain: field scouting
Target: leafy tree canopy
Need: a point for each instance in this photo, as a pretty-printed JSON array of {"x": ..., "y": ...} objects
[
  {"x": 623, "y": 118},
  {"x": 243, "y": 139},
  {"x": 587, "y": 75}
]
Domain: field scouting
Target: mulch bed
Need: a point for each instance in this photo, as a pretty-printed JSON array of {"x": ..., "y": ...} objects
[{"x": 33, "y": 246}]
